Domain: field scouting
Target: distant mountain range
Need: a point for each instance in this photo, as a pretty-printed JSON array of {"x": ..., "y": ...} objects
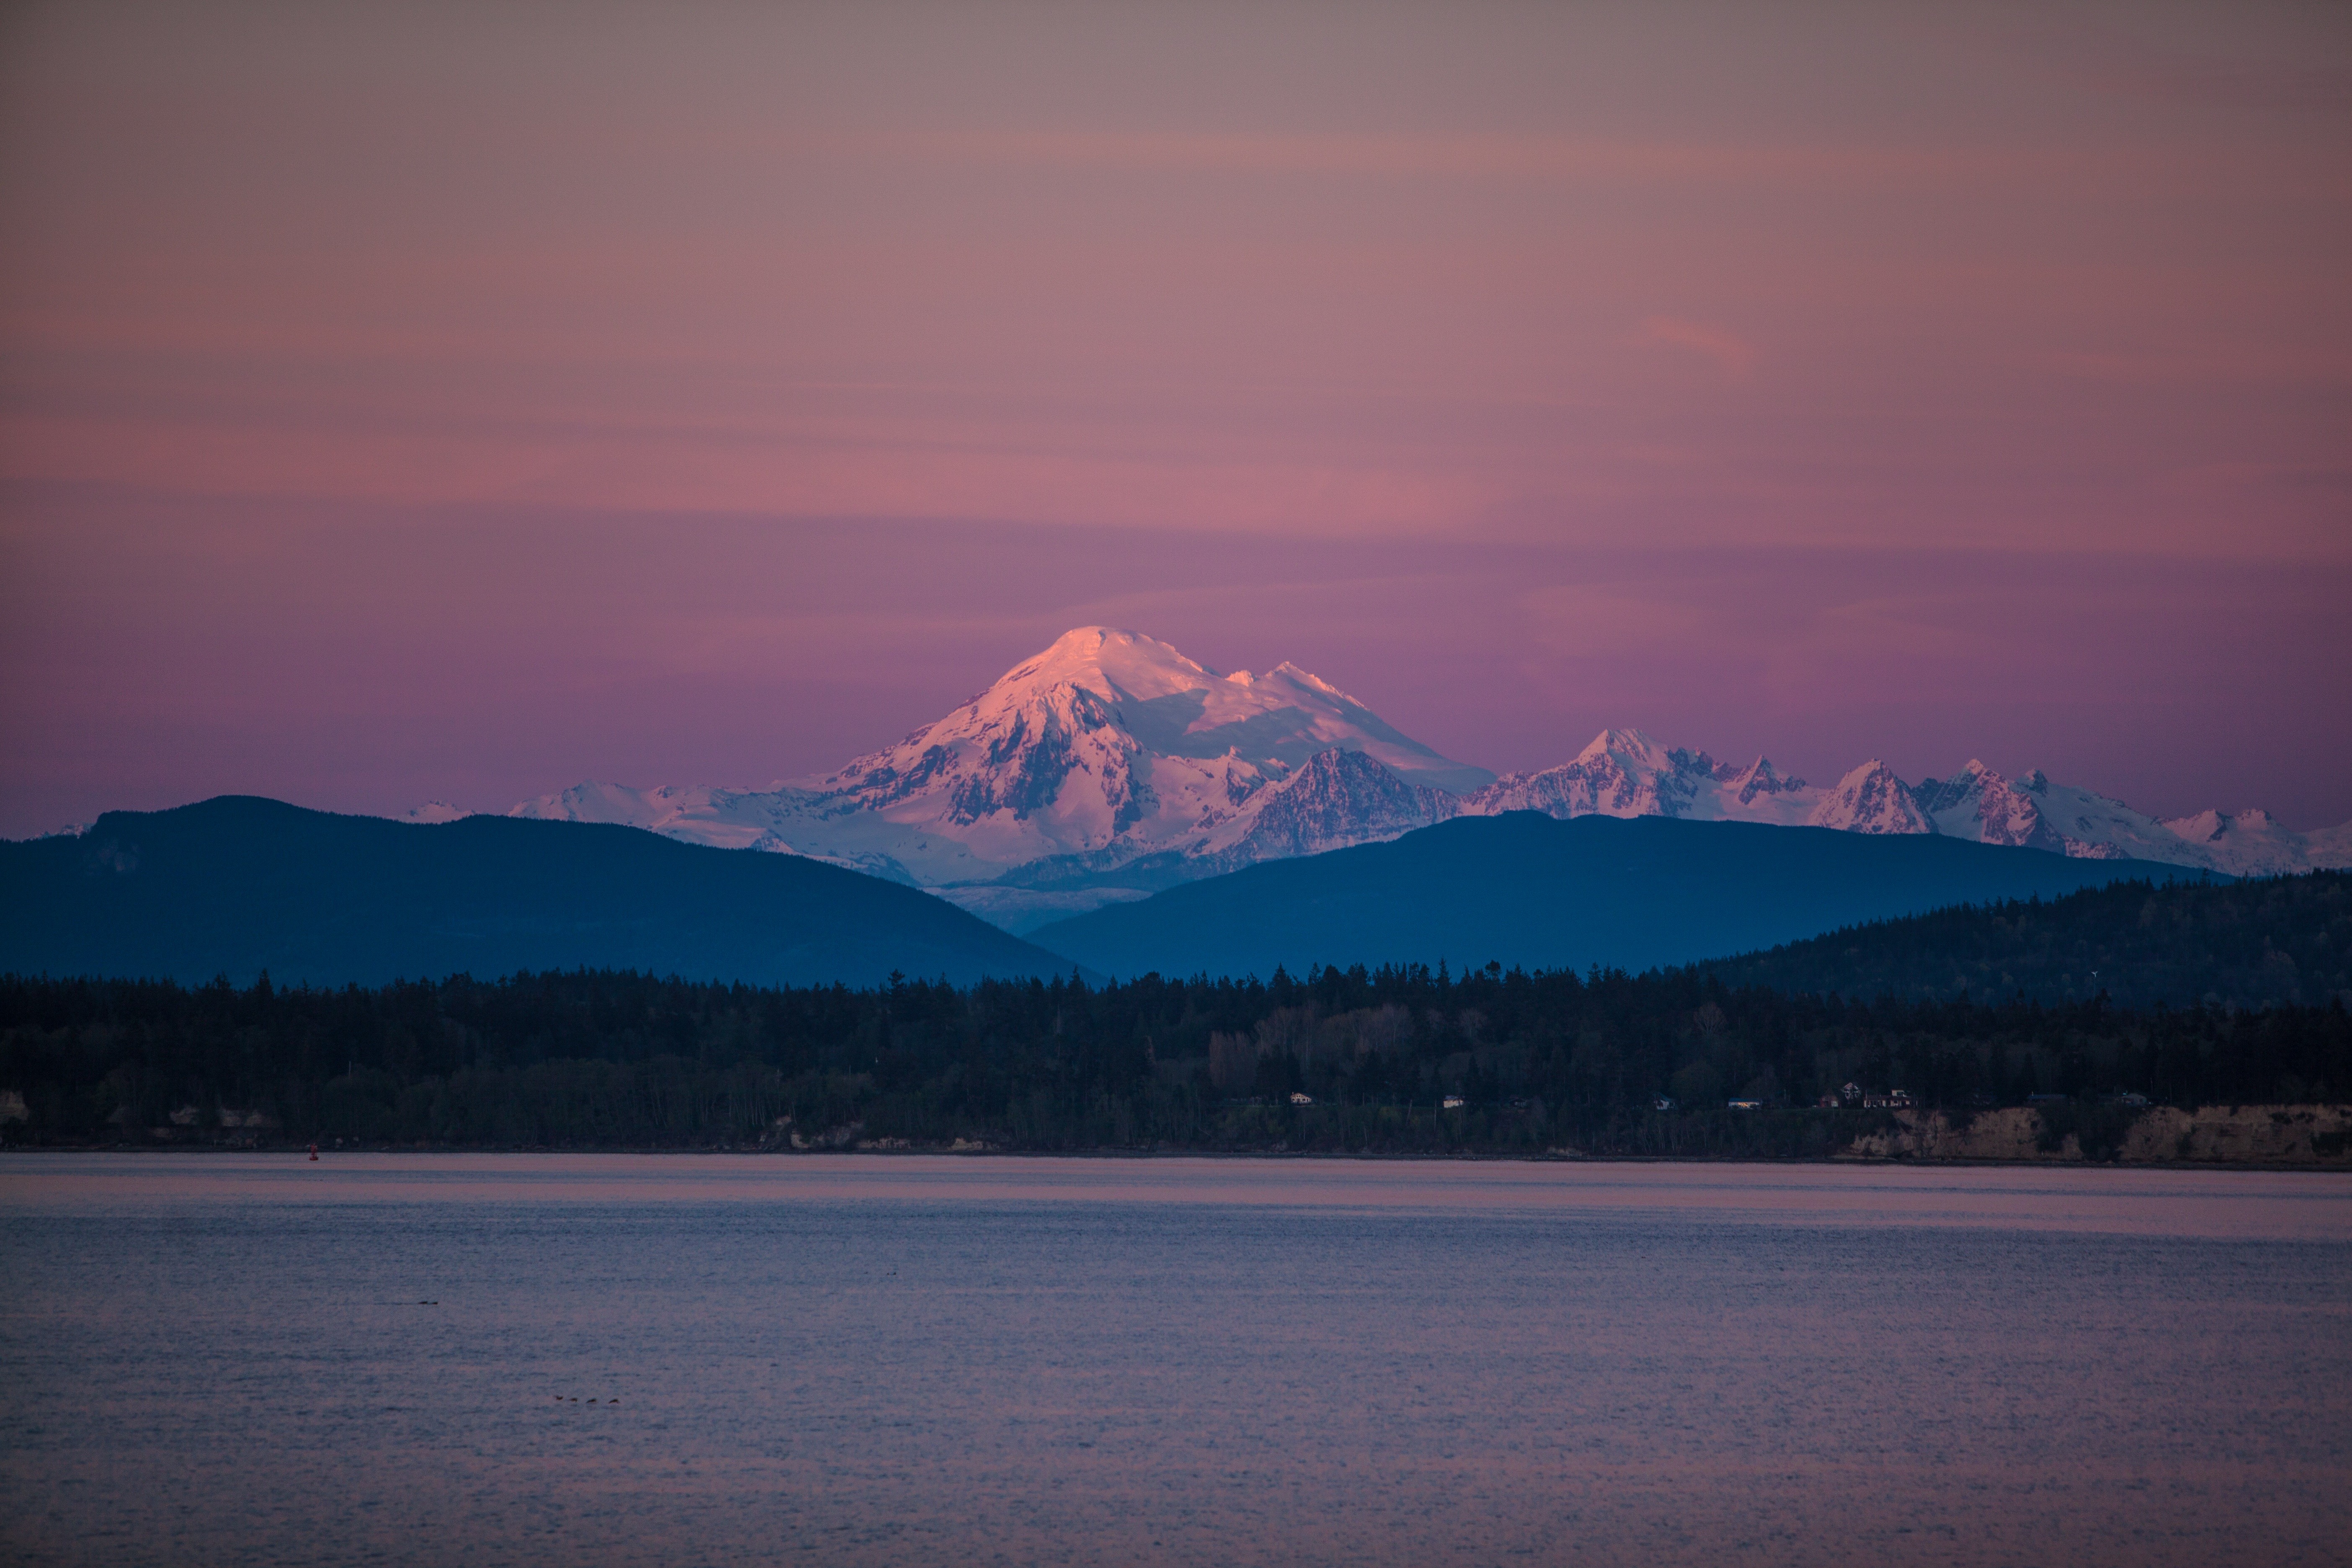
[
  {"x": 1538, "y": 892},
  {"x": 1110, "y": 766},
  {"x": 1107, "y": 765},
  {"x": 1625, "y": 772},
  {"x": 237, "y": 885}
]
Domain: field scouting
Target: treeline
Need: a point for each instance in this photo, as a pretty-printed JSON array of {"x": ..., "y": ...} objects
[
  {"x": 1539, "y": 1060},
  {"x": 2256, "y": 943}
]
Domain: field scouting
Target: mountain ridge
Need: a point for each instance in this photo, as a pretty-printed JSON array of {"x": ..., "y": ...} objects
[
  {"x": 1527, "y": 889},
  {"x": 240, "y": 884},
  {"x": 2261, "y": 943},
  {"x": 1110, "y": 764}
]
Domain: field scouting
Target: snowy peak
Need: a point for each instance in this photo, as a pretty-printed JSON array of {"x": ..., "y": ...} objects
[
  {"x": 1288, "y": 671},
  {"x": 1961, "y": 789},
  {"x": 1103, "y": 748},
  {"x": 1109, "y": 754},
  {"x": 1156, "y": 700},
  {"x": 1870, "y": 799},
  {"x": 1138, "y": 676},
  {"x": 1628, "y": 773},
  {"x": 1109, "y": 662},
  {"x": 1633, "y": 752},
  {"x": 1758, "y": 778},
  {"x": 2217, "y": 826},
  {"x": 1335, "y": 799},
  {"x": 1978, "y": 803},
  {"x": 2031, "y": 813},
  {"x": 1634, "y": 747},
  {"x": 2255, "y": 842},
  {"x": 2205, "y": 827}
]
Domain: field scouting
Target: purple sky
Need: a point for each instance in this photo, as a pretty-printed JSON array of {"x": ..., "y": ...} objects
[{"x": 458, "y": 404}]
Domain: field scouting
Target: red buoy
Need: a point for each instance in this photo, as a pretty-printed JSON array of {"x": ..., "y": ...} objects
[{"x": 314, "y": 1151}]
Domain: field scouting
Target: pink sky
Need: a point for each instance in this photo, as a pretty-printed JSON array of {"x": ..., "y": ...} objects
[{"x": 466, "y": 402}]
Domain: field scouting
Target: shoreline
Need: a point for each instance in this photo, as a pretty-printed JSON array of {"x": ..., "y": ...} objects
[{"x": 1917, "y": 1140}]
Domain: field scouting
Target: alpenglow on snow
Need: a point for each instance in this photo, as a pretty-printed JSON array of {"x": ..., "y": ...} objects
[{"x": 1110, "y": 766}]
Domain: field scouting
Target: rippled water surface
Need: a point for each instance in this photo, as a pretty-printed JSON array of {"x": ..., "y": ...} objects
[{"x": 906, "y": 1359}]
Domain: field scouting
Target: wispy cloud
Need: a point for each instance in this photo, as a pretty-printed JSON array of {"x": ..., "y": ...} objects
[{"x": 1734, "y": 356}]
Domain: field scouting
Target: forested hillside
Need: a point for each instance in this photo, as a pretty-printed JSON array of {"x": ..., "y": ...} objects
[
  {"x": 240, "y": 886},
  {"x": 2180, "y": 944},
  {"x": 1540, "y": 1060},
  {"x": 1542, "y": 893}
]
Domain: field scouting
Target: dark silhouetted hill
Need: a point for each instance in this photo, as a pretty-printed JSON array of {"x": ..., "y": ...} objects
[
  {"x": 1528, "y": 889},
  {"x": 239, "y": 885},
  {"x": 2255, "y": 944}
]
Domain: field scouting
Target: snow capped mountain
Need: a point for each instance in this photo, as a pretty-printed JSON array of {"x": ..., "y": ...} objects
[
  {"x": 1107, "y": 749},
  {"x": 1110, "y": 764},
  {"x": 1110, "y": 738},
  {"x": 2255, "y": 843},
  {"x": 1870, "y": 799},
  {"x": 433, "y": 811},
  {"x": 2033, "y": 812},
  {"x": 1626, "y": 773},
  {"x": 1335, "y": 798}
]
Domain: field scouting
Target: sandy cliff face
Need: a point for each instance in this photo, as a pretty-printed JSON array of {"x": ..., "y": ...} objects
[
  {"x": 2238, "y": 1135},
  {"x": 1926, "y": 1135},
  {"x": 2245, "y": 1134}
]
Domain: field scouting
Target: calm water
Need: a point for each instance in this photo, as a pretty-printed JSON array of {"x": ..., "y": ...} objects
[{"x": 902, "y": 1360}]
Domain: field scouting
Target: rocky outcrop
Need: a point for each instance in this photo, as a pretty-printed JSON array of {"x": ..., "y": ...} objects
[
  {"x": 1870, "y": 799},
  {"x": 1334, "y": 800}
]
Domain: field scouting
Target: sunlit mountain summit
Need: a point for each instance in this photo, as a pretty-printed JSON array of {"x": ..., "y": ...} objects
[
  {"x": 1626, "y": 773},
  {"x": 1110, "y": 764},
  {"x": 1108, "y": 752}
]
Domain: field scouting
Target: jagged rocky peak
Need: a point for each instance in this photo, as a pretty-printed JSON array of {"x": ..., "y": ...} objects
[
  {"x": 1336, "y": 798},
  {"x": 1630, "y": 773},
  {"x": 1936, "y": 796},
  {"x": 1637, "y": 751},
  {"x": 2204, "y": 828},
  {"x": 1870, "y": 799},
  {"x": 2033, "y": 812},
  {"x": 1979, "y": 803},
  {"x": 1758, "y": 778},
  {"x": 1622, "y": 745}
]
